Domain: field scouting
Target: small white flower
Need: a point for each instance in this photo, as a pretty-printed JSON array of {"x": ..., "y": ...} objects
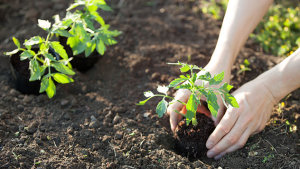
[{"x": 162, "y": 89}]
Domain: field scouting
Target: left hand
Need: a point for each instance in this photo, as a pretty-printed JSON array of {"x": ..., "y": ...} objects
[{"x": 255, "y": 106}]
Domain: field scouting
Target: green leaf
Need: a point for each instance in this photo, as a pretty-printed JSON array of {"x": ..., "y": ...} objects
[
  {"x": 16, "y": 42},
  {"x": 185, "y": 68},
  {"x": 212, "y": 103},
  {"x": 100, "y": 47},
  {"x": 51, "y": 89},
  {"x": 33, "y": 41},
  {"x": 90, "y": 47},
  {"x": 11, "y": 52},
  {"x": 217, "y": 79},
  {"x": 63, "y": 68},
  {"x": 143, "y": 102},
  {"x": 62, "y": 78},
  {"x": 184, "y": 86},
  {"x": 50, "y": 57},
  {"x": 59, "y": 49},
  {"x": 206, "y": 77},
  {"x": 161, "y": 108},
  {"x": 231, "y": 100},
  {"x": 105, "y": 7},
  {"x": 191, "y": 108},
  {"x": 176, "y": 82},
  {"x": 27, "y": 54},
  {"x": 44, "y": 84},
  {"x": 63, "y": 33},
  {"x": 44, "y": 24},
  {"x": 35, "y": 70},
  {"x": 226, "y": 87}
]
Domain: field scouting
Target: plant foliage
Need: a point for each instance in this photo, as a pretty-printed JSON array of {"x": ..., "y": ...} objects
[
  {"x": 187, "y": 81},
  {"x": 88, "y": 29}
]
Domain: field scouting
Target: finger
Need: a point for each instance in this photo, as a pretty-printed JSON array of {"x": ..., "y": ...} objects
[
  {"x": 241, "y": 143},
  {"x": 223, "y": 127},
  {"x": 174, "y": 119},
  {"x": 228, "y": 140},
  {"x": 220, "y": 113}
]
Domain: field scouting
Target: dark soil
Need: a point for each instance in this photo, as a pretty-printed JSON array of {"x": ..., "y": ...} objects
[
  {"x": 191, "y": 139},
  {"x": 94, "y": 122}
]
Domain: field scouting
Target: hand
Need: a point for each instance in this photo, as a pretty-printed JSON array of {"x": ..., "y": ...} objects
[
  {"x": 184, "y": 94},
  {"x": 255, "y": 106}
]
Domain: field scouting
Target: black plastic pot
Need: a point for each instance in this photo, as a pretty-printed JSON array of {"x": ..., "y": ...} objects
[
  {"x": 21, "y": 73},
  {"x": 80, "y": 61}
]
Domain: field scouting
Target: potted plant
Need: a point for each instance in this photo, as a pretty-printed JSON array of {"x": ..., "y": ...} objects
[
  {"x": 90, "y": 33},
  {"x": 192, "y": 132},
  {"x": 41, "y": 63}
]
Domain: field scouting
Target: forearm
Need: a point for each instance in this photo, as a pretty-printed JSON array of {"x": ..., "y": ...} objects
[
  {"x": 284, "y": 77},
  {"x": 241, "y": 17}
]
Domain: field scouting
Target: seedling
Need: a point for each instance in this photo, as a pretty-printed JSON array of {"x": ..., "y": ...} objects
[
  {"x": 41, "y": 61},
  {"x": 188, "y": 81},
  {"x": 88, "y": 28},
  {"x": 244, "y": 67}
]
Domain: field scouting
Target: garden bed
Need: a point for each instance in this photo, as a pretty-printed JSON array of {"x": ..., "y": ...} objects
[{"x": 94, "y": 122}]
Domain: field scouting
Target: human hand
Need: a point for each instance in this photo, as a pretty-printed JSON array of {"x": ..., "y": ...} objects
[
  {"x": 184, "y": 94},
  {"x": 255, "y": 106}
]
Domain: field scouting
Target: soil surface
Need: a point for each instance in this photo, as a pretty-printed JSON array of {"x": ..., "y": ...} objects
[{"x": 94, "y": 122}]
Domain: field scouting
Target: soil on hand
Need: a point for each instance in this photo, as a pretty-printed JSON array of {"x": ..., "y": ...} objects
[
  {"x": 191, "y": 139},
  {"x": 94, "y": 122}
]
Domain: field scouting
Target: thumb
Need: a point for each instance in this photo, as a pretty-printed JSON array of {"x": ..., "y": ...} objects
[{"x": 174, "y": 117}]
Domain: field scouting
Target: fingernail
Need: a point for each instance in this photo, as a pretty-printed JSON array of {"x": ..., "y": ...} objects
[
  {"x": 218, "y": 156},
  {"x": 210, "y": 154},
  {"x": 209, "y": 145}
]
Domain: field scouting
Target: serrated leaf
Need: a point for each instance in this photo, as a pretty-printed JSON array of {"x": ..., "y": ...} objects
[
  {"x": 35, "y": 70},
  {"x": 62, "y": 78},
  {"x": 11, "y": 52},
  {"x": 51, "y": 89},
  {"x": 148, "y": 94},
  {"x": 161, "y": 108},
  {"x": 44, "y": 84},
  {"x": 33, "y": 41},
  {"x": 63, "y": 68},
  {"x": 176, "y": 82},
  {"x": 162, "y": 89},
  {"x": 217, "y": 79},
  {"x": 185, "y": 68},
  {"x": 100, "y": 47},
  {"x": 191, "y": 108},
  {"x": 16, "y": 42},
  {"x": 226, "y": 87},
  {"x": 63, "y": 33},
  {"x": 184, "y": 86},
  {"x": 212, "y": 103},
  {"x": 231, "y": 100},
  {"x": 59, "y": 49},
  {"x": 27, "y": 54},
  {"x": 44, "y": 24},
  {"x": 206, "y": 76},
  {"x": 49, "y": 56},
  {"x": 90, "y": 47}
]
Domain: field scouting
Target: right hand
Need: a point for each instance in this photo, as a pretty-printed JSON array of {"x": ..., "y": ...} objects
[{"x": 184, "y": 94}]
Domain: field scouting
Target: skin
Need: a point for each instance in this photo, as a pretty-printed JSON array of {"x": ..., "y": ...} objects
[{"x": 257, "y": 97}]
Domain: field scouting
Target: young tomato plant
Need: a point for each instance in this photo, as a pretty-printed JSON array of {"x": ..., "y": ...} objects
[
  {"x": 88, "y": 28},
  {"x": 197, "y": 91},
  {"x": 49, "y": 55}
]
